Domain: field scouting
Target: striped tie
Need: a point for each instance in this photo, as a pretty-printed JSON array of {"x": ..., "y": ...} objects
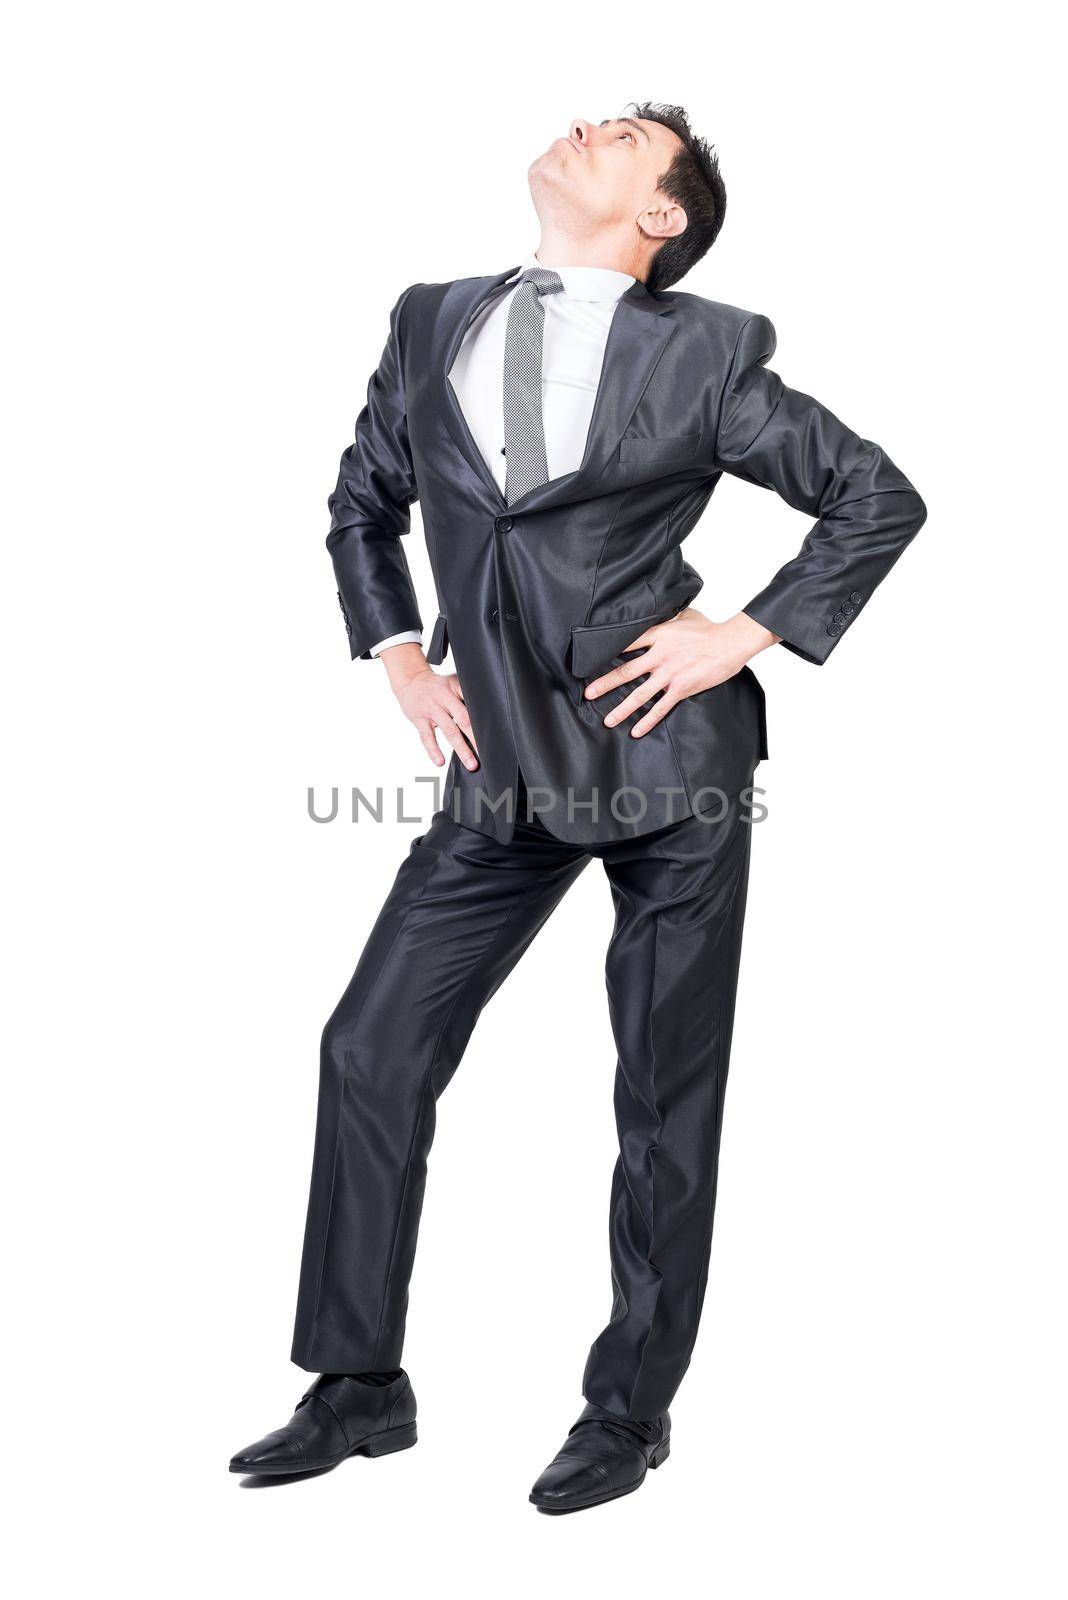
[{"x": 524, "y": 427}]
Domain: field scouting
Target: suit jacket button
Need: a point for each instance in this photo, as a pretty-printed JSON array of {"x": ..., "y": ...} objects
[
  {"x": 493, "y": 617},
  {"x": 504, "y": 524},
  {"x": 855, "y": 597},
  {"x": 833, "y": 629}
]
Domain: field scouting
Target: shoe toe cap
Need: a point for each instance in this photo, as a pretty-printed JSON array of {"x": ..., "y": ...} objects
[
  {"x": 568, "y": 1478},
  {"x": 277, "y": 1452}
]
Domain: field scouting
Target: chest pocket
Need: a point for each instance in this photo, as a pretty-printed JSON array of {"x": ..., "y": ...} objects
[{"x": 634, "y": 451}]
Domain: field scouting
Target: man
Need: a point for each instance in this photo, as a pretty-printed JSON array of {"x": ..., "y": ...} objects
[{"x": 563, "y": 425}]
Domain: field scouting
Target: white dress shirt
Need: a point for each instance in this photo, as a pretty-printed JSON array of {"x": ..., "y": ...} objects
[{"x": 576, "y": 332}]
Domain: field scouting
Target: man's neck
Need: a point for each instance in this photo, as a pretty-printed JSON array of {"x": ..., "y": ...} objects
[{"x": 559, "y": 248}]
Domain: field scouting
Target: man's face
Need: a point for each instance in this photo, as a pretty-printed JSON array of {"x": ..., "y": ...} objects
[{"x": 603, "y": 173}]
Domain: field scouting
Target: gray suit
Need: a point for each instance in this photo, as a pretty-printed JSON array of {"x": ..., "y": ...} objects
[{"x": 537, "y": 599}]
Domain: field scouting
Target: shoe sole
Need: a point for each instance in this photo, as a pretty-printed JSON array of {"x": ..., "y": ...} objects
[
  {"x": 379, "y": 1444},
  {"x": 657, "y": 1459}
]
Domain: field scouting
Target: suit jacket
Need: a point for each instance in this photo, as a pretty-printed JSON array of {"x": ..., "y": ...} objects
[{"x": 538, "y": 598}]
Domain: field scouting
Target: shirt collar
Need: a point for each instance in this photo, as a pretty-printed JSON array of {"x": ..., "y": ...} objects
[{"x": 587, "y": 283}]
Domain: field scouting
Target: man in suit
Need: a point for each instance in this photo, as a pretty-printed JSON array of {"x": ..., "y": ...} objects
[{"x": 563, "y": 424}]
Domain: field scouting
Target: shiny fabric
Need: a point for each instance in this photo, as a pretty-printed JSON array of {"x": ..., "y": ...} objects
[
  {"x": 539, "y": 597},
  {"x": 462, "y": 910}
]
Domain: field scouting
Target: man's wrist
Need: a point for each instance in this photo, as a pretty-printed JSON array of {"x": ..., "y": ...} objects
[
  {"x": 752, "y": 636},
  {"x": 403, "y": 662}
]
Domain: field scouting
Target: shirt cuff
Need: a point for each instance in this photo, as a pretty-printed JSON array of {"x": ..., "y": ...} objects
[{"x": 413, "y": 636}]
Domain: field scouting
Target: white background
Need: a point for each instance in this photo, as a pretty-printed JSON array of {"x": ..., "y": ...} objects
[{"x": 211, "y": 210}]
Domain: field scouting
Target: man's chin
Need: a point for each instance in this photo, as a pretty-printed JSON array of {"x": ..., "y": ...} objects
[
  {"x": 547, "y": 171},
  {"x": 552, "y": 159}
]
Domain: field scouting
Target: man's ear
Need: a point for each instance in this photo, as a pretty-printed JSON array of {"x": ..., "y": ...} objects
[{"x": 664, "y": 219}]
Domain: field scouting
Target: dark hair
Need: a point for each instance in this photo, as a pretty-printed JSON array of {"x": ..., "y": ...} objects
[{"x": 693, "y": 181}]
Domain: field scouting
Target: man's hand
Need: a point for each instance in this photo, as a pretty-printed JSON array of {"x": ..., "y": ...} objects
[
  {"x": 431, "y": 700},
  {"x": 682, "y": 657}
]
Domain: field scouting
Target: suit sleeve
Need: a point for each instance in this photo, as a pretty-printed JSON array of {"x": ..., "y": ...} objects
[
  {"x": 369, "y": 510},
  {"x": 866, "y": 509}
]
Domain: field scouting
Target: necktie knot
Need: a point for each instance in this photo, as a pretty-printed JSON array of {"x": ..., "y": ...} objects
[{"x": 544, "y": 280}]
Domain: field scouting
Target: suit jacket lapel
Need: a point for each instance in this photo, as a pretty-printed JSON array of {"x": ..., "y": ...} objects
[
  {"x": 639, "y": 332},
  {"x": 470, "y": 299}
]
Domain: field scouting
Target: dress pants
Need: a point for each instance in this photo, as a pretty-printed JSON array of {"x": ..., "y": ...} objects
[{"x": 461, "y": 912}]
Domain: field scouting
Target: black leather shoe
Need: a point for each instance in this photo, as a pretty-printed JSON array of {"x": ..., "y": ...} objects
[
  {"x": 603, "y": 1457},
  {"x": 336, "y": 1417}
]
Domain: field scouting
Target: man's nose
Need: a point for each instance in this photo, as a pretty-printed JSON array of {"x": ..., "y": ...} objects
[{"x": 580, "y": 130}]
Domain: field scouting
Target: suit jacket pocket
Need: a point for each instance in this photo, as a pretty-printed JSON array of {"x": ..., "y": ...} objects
[
  {"x": 439, "y": 643},
  {"x": 634, "y": 451},
  {"x": 757, "y": 687},
  {"x": 594, "y": 647}
]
